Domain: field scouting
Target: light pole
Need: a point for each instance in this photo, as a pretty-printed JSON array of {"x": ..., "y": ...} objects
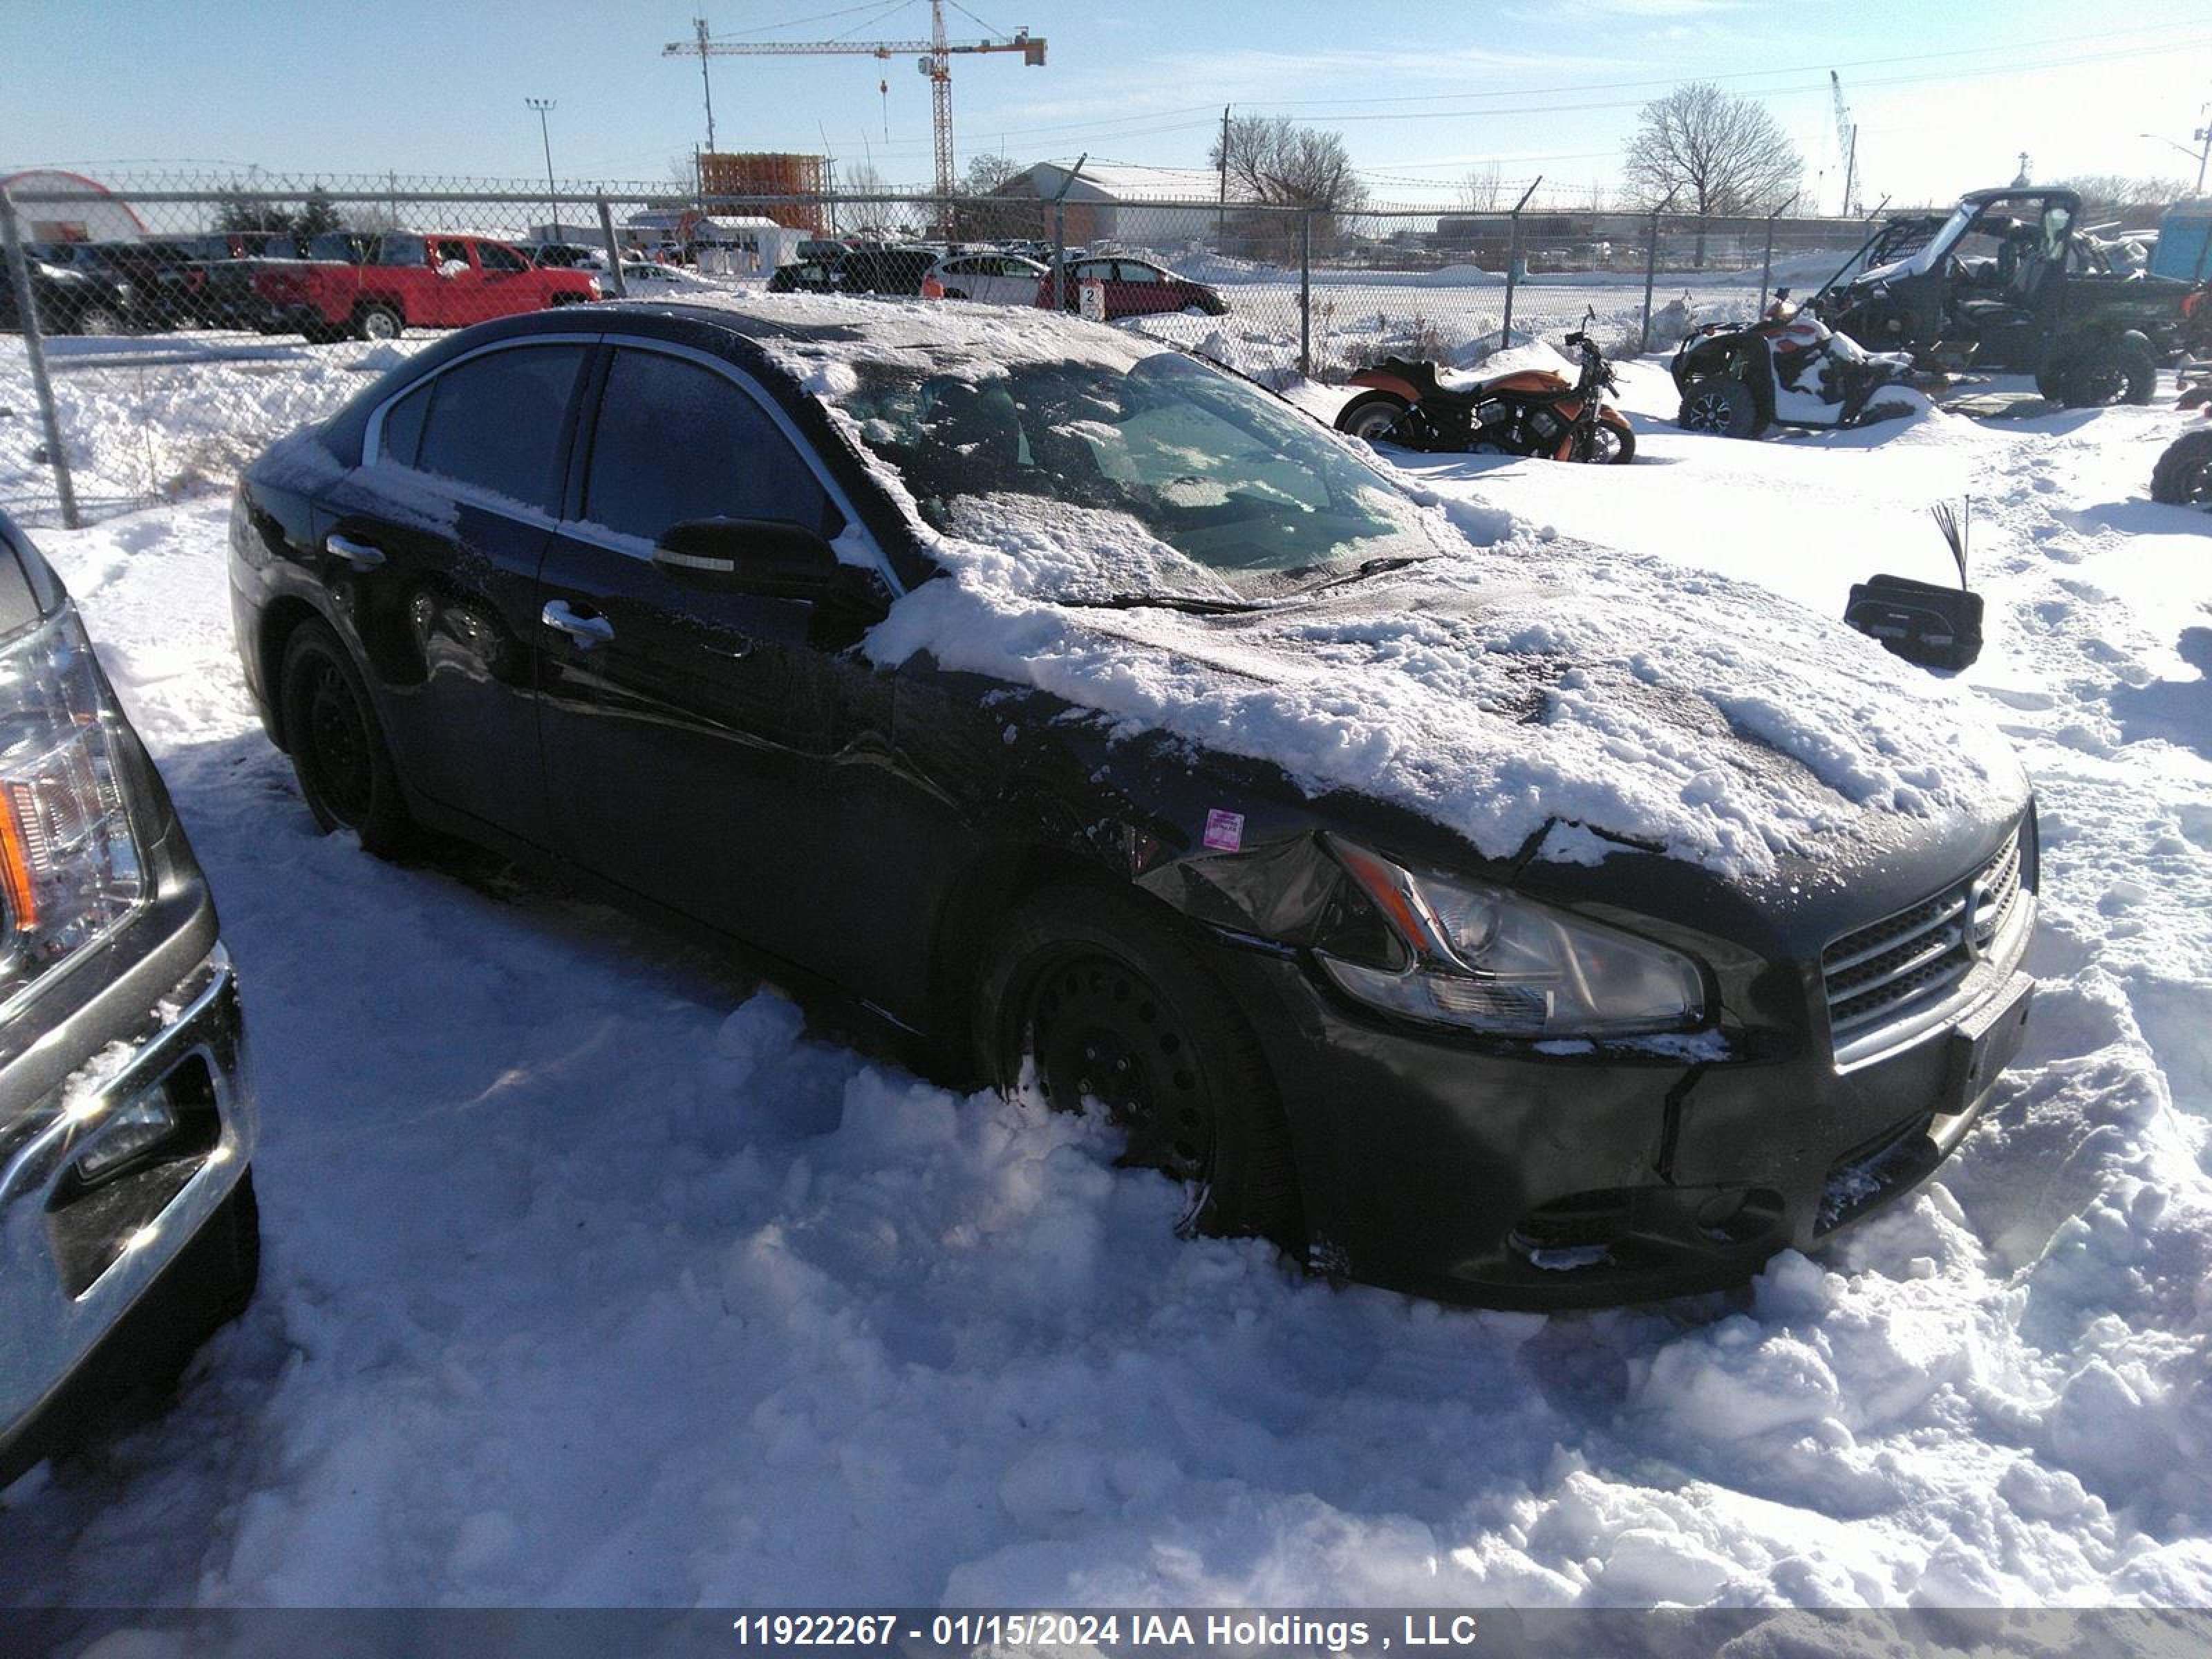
[
  {"x": 545, "y": 107},
  {"x": 2203, "y": 136}
]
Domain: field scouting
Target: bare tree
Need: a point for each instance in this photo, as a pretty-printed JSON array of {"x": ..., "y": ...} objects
[
  {"x": 987, "y": 172},
  {"x": 1716, "y": 153},
  {"x": 1482, "y": 191},
  {"x": 683, "y": 173},
  {"x": 2107, "y": 197},
  {"x": 1273, "y": 159}
]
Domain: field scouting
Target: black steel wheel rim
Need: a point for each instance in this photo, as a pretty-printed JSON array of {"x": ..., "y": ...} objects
[
  {"x": 2197, "y": 481},
  {"x": 1100, "y": 1031},
  {"x": 1709, "y": 412},
  {"x": 2103, "y": 385},
  {"x": 337, "y": 746}
]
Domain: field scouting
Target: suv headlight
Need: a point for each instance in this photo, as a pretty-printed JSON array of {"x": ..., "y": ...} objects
[
  {"x": 70, "y": 866},
  {"x": 1486, "y": 959}
]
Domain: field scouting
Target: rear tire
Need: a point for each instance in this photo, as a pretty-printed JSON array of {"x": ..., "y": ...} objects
[
  {"x": 2095, "y": 373},
  {"x": 377, "y": 323},
  {"x": 1372, "y": 415},
  {"x": 2182, "y": 477},
  {"x": 345, "y": 771},
  {"x": 1111, "y": 1004},
  {"x": 1720, "y": 409}
]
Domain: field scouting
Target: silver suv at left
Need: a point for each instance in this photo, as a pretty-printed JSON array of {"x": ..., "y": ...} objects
[{"x": 128, "y": 1230}]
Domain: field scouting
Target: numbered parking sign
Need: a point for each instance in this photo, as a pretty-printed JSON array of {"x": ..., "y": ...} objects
[{"x": 1091, "y": 299}]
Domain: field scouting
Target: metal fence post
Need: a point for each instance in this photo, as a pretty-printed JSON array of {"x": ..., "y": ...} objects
[
  {"x": 1306, "y": 294},
  {"x": 1059, "y": 234},
  {"x": 34, "y": 348},
  {"x": 1651, "y": 271},
  {"x": 1766, "y": 269},
  {"x": 1513, "y": 264},
  {"x": 614, "y": 279},
  {"x": 1650, "y": 276}
]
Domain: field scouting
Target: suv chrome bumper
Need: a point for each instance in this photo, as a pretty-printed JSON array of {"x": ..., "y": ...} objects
[{"x": 77, "y": 1254}]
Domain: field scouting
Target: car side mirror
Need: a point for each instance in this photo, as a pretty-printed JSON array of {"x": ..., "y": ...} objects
[{"x": 769, "y": 558}]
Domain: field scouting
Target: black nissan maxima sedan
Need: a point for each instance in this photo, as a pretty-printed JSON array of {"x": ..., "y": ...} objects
[{"x": 1467, "y": 911}]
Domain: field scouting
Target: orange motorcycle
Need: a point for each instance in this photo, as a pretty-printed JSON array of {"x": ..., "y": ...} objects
[{"x": 1528, "y": 411}]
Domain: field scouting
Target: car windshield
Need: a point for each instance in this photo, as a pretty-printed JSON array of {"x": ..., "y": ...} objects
[{"x": 1235, "y": 493}]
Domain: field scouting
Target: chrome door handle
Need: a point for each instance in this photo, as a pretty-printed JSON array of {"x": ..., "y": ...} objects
[
  {"x": 360, "y": 555},
  {"x": 586, "y": 631}
]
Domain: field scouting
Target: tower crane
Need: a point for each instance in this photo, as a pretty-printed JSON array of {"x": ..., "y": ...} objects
[
  {"x": 1847, "y": 141},
  {"x": 934, "y": 60}
]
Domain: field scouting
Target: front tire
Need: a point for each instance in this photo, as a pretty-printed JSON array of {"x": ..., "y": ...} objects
[
  {"x": 1720, "y": 409},
  {"x": 1112, "y": 1005},
  {"x": 345, "y": 771},
  {"x": 1372, "y": 415},
  {"x": 2182, "y": 477},
  {"x": 98, "y": 319},
  {"x": 1610, "y": 444}
]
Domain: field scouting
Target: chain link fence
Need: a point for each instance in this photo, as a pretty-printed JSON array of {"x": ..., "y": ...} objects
[{"x": 155, "y": 334}]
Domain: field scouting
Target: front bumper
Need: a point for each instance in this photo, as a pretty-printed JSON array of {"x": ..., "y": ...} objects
[
  {"x": 76, "y": 1255},
  {"x": 1509, "y": 1177}
]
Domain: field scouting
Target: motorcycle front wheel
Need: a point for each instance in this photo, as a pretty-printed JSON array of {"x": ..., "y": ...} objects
[{"x": 1608, "y": 444}]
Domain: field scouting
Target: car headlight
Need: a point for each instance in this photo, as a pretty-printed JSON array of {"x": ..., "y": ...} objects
[
  {"x": 1486, "y": 959},
  {"x": 70, "y": 866}
]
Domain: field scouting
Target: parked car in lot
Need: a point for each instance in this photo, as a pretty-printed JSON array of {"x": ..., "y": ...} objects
[
  {"x": 68, "y": 301},
  {"x": 870, "y": 270},
  {"x": 999, "y": 279},
  {"x": 645, "y": 280},
  {"x": 375, "y": 287},
  {"x": 127, "y": 1123},
  {"x": 1133, "y": 287},
  {"x": 1506, "y": 926},
  {"x": 566, "y": 256}
]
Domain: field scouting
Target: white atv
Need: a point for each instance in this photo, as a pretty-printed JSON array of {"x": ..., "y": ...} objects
[{"x": 1790, "y": 368}]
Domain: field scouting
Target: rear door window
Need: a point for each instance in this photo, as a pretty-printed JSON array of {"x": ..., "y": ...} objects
[
  {"x": 675, "y": 441},
  {"x": 497, "y": 256},
  {"x": 494, "y": 422}
]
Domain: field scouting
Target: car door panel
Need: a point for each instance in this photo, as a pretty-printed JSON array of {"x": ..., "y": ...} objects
[
  {"x": 694, "y": 756},
  {"x": 436, "y": 570}
]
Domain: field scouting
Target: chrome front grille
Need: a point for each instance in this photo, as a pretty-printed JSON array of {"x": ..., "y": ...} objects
[{"x": 1891, "y": 980}]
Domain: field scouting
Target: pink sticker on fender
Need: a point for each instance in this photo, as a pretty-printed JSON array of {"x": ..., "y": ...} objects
[{"x": 1224, "y": 831}]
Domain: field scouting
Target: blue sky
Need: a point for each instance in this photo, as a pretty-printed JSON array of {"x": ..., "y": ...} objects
[{"x": 1947, "y": 92}]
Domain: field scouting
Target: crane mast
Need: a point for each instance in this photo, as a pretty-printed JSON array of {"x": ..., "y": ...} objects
[
  {"x": 933, "y": 58},
  {"x": 1847, "y": 141}
]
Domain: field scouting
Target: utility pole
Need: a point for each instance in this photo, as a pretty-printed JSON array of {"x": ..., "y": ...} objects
[
  {"x": 2203, "y": 136},
  {"x": 544, "y": 108},
  {"x": 1221, "y": 230}
]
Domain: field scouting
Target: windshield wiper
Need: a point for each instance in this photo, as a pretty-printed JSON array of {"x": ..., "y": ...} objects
[
  {"x": 1196, "y": 606},
  {"x": 1372, "y": 568}
]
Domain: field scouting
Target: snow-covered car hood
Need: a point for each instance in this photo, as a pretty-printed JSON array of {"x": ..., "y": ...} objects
[{"x": 1524, "y": 686}]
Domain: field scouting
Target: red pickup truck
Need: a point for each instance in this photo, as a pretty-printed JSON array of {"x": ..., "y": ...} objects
[{"x": 375, "y": 287}]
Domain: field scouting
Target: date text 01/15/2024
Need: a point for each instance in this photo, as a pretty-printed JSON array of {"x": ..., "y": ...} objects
[{"x": 1195, "y": 1632}]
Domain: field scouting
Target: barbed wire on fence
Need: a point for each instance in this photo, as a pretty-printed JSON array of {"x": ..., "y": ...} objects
[{"x": 180, "y": 320}]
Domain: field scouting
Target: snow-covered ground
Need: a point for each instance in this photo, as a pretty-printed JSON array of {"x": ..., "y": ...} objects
[{"x": 592, "y": 1278}]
